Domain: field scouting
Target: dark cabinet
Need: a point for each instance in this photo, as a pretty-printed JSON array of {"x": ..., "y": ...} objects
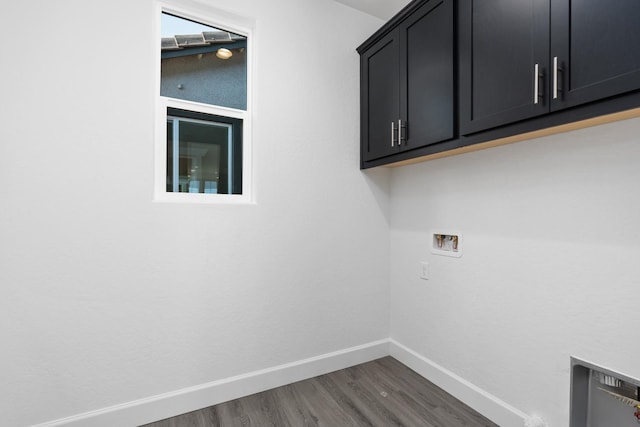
[
  {"x": 504, "y": 51},
  {"x": 526, "y": 58},
  {"x": 595, "y": 50},
  {"x": 451, "y": 76},
  {"x": 380, "y": 97},
  {"x": 407, "y": 81}
]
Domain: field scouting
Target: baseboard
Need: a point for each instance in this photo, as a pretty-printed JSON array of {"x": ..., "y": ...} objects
[
  {"x": 170, "y": 404},
  {"x": 190, "y": 399},
  {"x": 490, "y": 406}
]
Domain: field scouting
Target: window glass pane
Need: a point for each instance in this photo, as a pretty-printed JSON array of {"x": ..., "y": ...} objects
[
  {"x": 202, "y": 156},
  {"x": 203, "y": 64}
]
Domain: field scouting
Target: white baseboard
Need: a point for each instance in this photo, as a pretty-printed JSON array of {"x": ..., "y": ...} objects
[
  {"x": 170, "y": 404},
  {"x": 167, "y": 405},
  {"x": 486, "y": 404}
]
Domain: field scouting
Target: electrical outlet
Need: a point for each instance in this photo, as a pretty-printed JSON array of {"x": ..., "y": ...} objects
[{"x": 424, "y": 274}]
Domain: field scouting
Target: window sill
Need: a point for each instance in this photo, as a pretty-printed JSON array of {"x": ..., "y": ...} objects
[{"x": 200, "y": 198}]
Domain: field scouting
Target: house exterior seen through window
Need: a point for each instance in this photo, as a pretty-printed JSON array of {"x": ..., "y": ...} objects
[{"x": 203, "y": 93}]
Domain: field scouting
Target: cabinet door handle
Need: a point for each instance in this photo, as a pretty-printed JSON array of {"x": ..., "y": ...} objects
[
  {"x": 393, "y": 134},
  {"x": 403, "y": 136},
  {"x": 536, "y": 83},
  {"x": 555, "y": 77}
]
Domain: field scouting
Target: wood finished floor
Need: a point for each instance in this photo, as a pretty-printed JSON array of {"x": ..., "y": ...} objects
[{"x": 381, "y": 393}]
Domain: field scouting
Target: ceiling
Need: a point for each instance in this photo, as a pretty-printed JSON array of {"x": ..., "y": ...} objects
[{"x": 383, "y": 9}]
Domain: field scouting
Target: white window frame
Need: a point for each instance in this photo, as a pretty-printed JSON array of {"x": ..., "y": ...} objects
[{"x": 229, "y": 22}]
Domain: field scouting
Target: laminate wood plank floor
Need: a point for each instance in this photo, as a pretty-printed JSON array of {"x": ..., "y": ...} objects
[{"x": 381, "y": 393}]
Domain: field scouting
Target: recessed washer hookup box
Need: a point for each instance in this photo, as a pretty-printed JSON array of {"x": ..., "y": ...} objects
[{"x": 601, "y": 397}]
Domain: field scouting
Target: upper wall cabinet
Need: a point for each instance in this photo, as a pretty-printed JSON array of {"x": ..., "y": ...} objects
[
  {"x": 504, "y": 49},
  {"x": 521, "y": 59},
  {"x": 451, "y": 76},
  {"x": 380, "y": 97},
  {"x": 595, "y": 50},
  {"x": 407, "y": 81}
]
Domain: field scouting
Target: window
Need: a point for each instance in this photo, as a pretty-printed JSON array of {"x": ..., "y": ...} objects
[
  {"x": 202, "y": 143},
  {"x": 204, "y": 153}
]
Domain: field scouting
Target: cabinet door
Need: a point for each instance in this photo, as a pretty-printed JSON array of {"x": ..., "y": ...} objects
[
  {"x": 426, "y": 75},
  {"x": 502, "y": 45},
  {"x": 597, "y": 46},
  {"x": 380, "y": 98}
]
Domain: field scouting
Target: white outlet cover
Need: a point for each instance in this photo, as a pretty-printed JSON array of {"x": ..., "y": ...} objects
[{"x": 424, "y": 270}]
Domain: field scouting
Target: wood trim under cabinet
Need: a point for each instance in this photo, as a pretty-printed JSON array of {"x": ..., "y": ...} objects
[{"x": 595, "y": 121}]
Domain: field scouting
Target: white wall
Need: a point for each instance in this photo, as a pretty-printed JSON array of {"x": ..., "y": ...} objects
[
  {"x": 108, "y": 297},
  {"x": 550, "y": 266},
  {"x": 384, "y": 9}
]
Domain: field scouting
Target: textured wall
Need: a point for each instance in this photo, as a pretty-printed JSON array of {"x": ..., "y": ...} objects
[
  {"x": 384, "y": 9},
  {"x": 109, "y": 297},
  {"x": 550, "y": 264}
]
